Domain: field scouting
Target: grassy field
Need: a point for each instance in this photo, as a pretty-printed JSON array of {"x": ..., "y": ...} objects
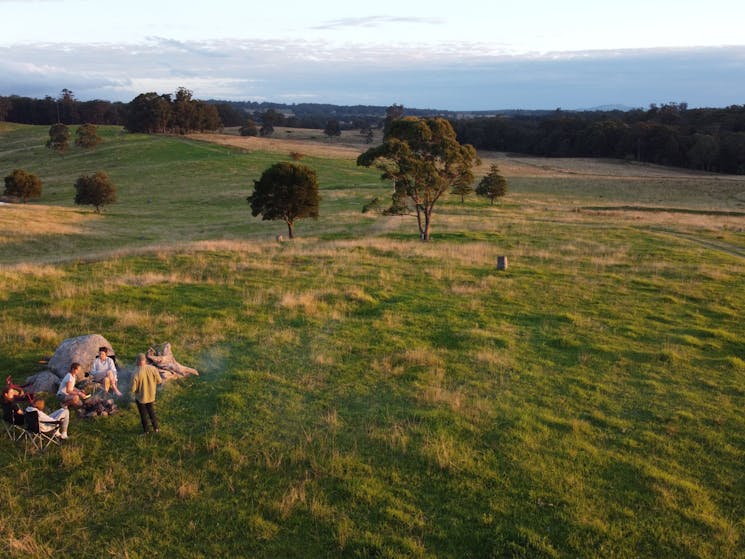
[{"x": 363, "y": 394}]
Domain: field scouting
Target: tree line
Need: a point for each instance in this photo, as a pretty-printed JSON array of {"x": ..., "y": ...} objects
[
  {"x": 709, "y": 139},
  {"x": 671, "y": 134}
]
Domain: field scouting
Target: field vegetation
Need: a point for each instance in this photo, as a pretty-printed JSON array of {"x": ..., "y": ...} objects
[{"x": 364, "y": 394}]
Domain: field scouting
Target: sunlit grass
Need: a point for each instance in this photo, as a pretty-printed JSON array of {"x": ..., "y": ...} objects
[{"x": 364, "y": 394}]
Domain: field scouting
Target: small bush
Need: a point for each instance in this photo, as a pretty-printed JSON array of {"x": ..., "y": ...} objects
[{"x": 22, "y": 185}]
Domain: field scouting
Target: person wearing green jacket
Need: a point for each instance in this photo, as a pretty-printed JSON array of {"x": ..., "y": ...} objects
[{"x": 144, "y": 383}]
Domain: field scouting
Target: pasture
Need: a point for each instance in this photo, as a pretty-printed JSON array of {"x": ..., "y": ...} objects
[{"x": 363, "y": 394}]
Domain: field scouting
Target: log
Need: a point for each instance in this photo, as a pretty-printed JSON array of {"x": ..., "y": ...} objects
[{"x": 165, "y": 361}]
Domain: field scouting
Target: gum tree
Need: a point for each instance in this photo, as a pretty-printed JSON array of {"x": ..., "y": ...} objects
[
  {"x": 424, "y": 160},
  {"x": 95, "y": 190},
  {"x": 286, "y": 191}
]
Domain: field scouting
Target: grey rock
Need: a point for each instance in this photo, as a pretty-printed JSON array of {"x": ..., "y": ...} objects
[
  {"x": 83, "y": 350},
  {"x": 46, "y": 381}
]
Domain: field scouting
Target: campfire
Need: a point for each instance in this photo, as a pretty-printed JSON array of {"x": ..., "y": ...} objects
[{"x": 95, "y": 406}]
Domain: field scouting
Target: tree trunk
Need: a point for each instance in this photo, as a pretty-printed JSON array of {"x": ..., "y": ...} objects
[
  {"x": 290, "y": 230},
  {"x": 425, "y": 233},
  {"x": 419, "y": 222}
]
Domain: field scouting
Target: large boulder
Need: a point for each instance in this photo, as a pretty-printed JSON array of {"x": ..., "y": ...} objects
[
  {"x": 83, "y": 350},
  {"x": 46, "y": 381}
]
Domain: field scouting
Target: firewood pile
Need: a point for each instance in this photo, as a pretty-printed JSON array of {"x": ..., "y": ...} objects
[{"x": 96, "y": 406}]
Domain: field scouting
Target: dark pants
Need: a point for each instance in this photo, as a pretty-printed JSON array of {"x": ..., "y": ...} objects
[{"x": 145, "y": 411}]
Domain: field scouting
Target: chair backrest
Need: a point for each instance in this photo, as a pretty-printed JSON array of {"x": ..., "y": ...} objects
[
  {"x": 31, "y": 419},
  {"x": 11, "y": 415},
  {"x": 7, "y": 412}
]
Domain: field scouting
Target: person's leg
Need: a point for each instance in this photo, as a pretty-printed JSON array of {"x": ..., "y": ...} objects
[
  {"x": 103, "y": 380},
  {"x": 112, "y": 382},
  {"x": 143, "y": 415},
  {"x": 151, "y": 412},
  {"x": 62, "y": 415}
]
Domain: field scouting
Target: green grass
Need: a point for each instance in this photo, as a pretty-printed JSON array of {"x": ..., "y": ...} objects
[{"x": 367, "y": 395}]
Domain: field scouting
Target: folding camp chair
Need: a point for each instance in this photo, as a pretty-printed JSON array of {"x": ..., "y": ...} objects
[
  {"x": 13, "y": 423},
  {"x": 40, "y": 438}
]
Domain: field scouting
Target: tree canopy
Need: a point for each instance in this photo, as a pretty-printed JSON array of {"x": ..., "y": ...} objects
[
  {"x": 22, "y": 185},
  {"x": 153, "y": 113},
  {"x": 249, "y": 128},
  {"x": 424, "y": 160},
  {"x": 95, "y": 190},
  {"x": 59, "y": 138},
  {"x": 286, "y": 191},
  {"x": 332, "y": 128},
  {"x": 86, "y": 136}
]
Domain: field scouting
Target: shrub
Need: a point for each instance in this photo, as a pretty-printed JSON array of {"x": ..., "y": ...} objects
[{"x": 23, "y": 185}]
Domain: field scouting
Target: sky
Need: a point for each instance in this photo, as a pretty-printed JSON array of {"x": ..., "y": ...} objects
[{"x": 463, "y": 56}]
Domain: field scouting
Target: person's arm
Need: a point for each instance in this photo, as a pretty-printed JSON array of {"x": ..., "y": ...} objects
[{"x": 70, "y": 388}]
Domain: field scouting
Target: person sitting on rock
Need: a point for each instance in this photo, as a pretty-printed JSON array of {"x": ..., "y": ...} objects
[
  {"x": 47, "y": 423},
  {"x": 103, "y": 371},
  {"x": 67, "y": 393}
]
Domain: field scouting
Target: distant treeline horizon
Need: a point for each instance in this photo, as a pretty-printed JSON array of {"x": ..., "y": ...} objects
[{"x": 709, "y": 139}]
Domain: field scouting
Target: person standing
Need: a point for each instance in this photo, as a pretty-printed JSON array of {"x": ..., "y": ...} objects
[{"x": 144, "y": 383}]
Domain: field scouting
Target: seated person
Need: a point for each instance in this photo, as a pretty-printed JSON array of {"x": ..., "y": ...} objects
[
  {"x": 67, "y": 394},
  {"x": 103, "y": 370},
  {"x": 62, "y": 414},
  {"x": 11, "y": 395}
]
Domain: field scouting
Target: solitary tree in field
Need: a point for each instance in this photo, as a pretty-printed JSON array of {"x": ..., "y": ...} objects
[
  {"x": 86, "y": 136},
  {"x": 332, "y": 129},
  {"x": 95, "y": 190},
  {"x": 493, "y": 185},
  {"x": 286, "y": 191},
  {"x": 249, "y": 128},
  {"x": 59, "y": 138},
  {"x": 23, "y": 185},
  {"x": 424, "y": 160}
]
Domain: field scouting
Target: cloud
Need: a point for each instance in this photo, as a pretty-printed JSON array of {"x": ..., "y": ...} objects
[
  {"x": 376, "y": 21},
  {"x": 457, "y": 76}
]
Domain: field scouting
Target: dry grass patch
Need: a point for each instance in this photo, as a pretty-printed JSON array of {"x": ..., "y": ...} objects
[
  {"x": 387, "y": 367},
  {"x": 427, "y": 357},
  {"x": 16, "y": 333},
  {"x": 308, "y": 302},
  {"x": 283, "y": 145},
  {"x": 283, "y": 336},
  {"x": 27, "y": 545},
  {"x": 294, "y": 497},
  {"x": 434, "y": 391},
  {"x": 188, "y": 487},
  {"x": 40, "y": 220}
]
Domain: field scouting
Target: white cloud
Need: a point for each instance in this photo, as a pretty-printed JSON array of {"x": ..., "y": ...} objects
[
  {"x": 376, "y": 21},
  {"x": 456, "y": 75}
]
